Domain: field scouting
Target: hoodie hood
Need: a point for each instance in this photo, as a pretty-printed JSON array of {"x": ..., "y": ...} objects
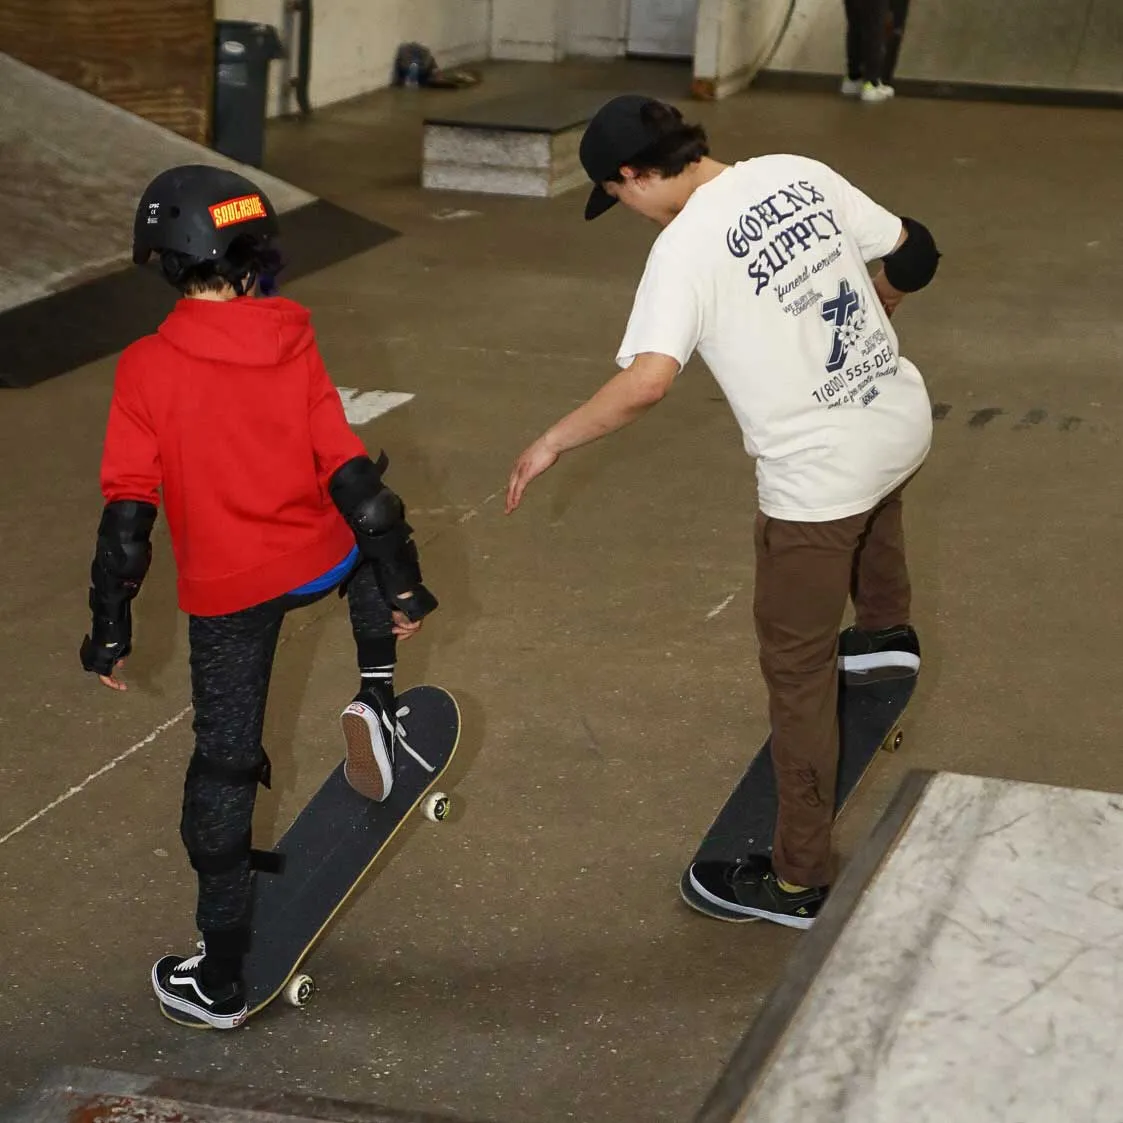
[{"x": 247, "y": 331}]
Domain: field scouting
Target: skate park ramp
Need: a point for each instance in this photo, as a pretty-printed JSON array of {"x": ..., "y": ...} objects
[
  {"x": 72, "y": 169},
  {"x": 1067, "y": 51}
]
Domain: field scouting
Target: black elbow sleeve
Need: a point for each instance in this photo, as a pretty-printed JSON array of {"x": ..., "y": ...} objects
[
  {"x": 913, "y": 266},
  {"x": 124, "y": 549}
]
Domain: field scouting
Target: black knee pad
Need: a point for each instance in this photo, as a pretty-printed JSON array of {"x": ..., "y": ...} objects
[
  {"x": 240, "y": 850},
  {"x": 260, "y": 772}
]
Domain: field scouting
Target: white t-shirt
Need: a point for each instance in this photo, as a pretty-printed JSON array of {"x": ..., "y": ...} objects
[{"x": 763, "y": 273}]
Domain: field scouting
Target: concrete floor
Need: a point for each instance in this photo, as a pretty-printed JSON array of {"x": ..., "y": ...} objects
[{"x": 531, "y": 960}]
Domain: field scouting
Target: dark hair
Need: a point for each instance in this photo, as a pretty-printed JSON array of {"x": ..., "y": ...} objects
[
  {"x": 248, "y": 259},
  {"x": 680, "y": 145}
]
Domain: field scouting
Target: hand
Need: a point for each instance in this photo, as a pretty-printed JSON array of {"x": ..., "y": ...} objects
[
  {"x": 404, "y": 627},
  {"x": 98, "y": 658},
  {"x": 111, "y": 680},
  {"x": 533, "y": 462},
  {"x": 889, "y": 296}
]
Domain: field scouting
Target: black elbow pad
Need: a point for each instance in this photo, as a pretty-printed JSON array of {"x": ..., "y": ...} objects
[
  {"x": 356, "y": 482},
  {"x": 124, "y": 549},
  {"x": 377, "y": 517}
]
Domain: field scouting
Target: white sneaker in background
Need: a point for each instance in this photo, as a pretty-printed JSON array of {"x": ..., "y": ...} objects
[{"x": 873, "y": 92}]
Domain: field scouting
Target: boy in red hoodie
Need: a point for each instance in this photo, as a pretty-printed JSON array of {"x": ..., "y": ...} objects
[{"x": 272, "y": 502}]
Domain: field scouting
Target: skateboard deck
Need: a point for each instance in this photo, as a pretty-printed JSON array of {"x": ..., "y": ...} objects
[
  {"x": 330, "y": 848},
  {"x": 868, "y": 721}
]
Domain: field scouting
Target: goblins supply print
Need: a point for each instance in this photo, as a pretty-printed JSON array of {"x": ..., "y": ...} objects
[{"x": 780, "y": 232}]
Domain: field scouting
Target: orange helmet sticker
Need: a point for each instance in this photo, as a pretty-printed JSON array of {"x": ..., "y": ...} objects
[{"x": 243, "y": 209}]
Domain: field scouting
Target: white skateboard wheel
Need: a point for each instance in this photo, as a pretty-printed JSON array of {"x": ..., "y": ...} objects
[
  {"x": 300, "y": 990},
  {"x": 437, "y": 807}
]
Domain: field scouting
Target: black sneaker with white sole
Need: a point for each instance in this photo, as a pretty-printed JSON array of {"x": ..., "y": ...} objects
[
  {"x": 370, "y": 728},
  {"x": 179, "y": 985},
  {"x": 750, "y": 889},
  {"x": 872, "y": 656}
]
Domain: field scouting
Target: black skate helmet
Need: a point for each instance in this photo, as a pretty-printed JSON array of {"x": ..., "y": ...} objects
[{"x": 195, "y": 215}]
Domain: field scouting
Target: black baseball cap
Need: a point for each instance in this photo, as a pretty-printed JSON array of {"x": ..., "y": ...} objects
[{"x": 618, "y": 132}]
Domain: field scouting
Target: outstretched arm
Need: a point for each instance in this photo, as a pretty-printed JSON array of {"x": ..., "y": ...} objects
[{"x": 619, "y": 402}]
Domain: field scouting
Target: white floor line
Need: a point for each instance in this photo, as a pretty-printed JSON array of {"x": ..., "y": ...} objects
[
  {"x": 363, "y": 406},
  {"x": 163, "y": 727},
  {"x": 471, "y": 514},
  {"x": 723, "y": 606}
]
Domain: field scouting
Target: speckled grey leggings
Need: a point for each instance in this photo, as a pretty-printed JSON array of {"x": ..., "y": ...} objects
[{"x": 231, "y": 664}]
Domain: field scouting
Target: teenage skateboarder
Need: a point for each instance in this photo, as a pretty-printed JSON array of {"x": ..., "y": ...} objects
[
  {"x": 227, "y": 416},
  {"x": 761, "y": 269}
]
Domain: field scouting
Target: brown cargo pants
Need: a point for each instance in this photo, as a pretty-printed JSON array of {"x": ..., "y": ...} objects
[{"x": 804, "y": 573}]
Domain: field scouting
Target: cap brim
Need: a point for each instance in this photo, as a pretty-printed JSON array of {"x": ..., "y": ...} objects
[{"x": 599, "y": 202}]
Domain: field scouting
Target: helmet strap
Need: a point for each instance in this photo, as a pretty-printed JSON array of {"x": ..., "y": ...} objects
[{"x": 245, "y": 283}]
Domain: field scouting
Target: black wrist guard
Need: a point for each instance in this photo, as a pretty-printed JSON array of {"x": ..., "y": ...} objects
[{"x": 121, "y": 561}]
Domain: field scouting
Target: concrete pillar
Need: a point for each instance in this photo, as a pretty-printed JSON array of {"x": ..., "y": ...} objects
[
  {"x": 734, "y": 39},
  {"x": 597, "y": 28},
  {"x": 533, "y": 30}
]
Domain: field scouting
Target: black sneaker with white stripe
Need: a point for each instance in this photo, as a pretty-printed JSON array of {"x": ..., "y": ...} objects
[
  {"x": 752, "y": 890},
  {"x": 873, "y": 656},
  {"x": 179, "y": 985},
  {"x": 370, "y": 728}
]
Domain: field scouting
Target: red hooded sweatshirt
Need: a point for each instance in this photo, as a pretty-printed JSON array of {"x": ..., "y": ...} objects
[{"x": 228, "y": 412}]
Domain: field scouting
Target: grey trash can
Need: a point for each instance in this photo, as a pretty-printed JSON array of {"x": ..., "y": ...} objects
[{"x": 243, "y": 52}]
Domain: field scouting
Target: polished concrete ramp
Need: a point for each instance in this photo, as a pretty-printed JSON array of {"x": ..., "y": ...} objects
[
  {"x": 1020, "y": 47},
  {"x": 91, "y": 1095},
  {"x": 968, "y": 965},
  {"x": 73, "y": 168}
]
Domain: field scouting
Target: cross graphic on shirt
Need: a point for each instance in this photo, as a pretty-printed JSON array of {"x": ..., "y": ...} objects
[{"x": 837, "y": 312}]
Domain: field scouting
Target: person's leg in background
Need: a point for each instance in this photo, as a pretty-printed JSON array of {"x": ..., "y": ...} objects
[
  {"x": 852, "y": 82},
  {"x": 866, "y": 31},
  {"x": 898, "y": 14}
]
